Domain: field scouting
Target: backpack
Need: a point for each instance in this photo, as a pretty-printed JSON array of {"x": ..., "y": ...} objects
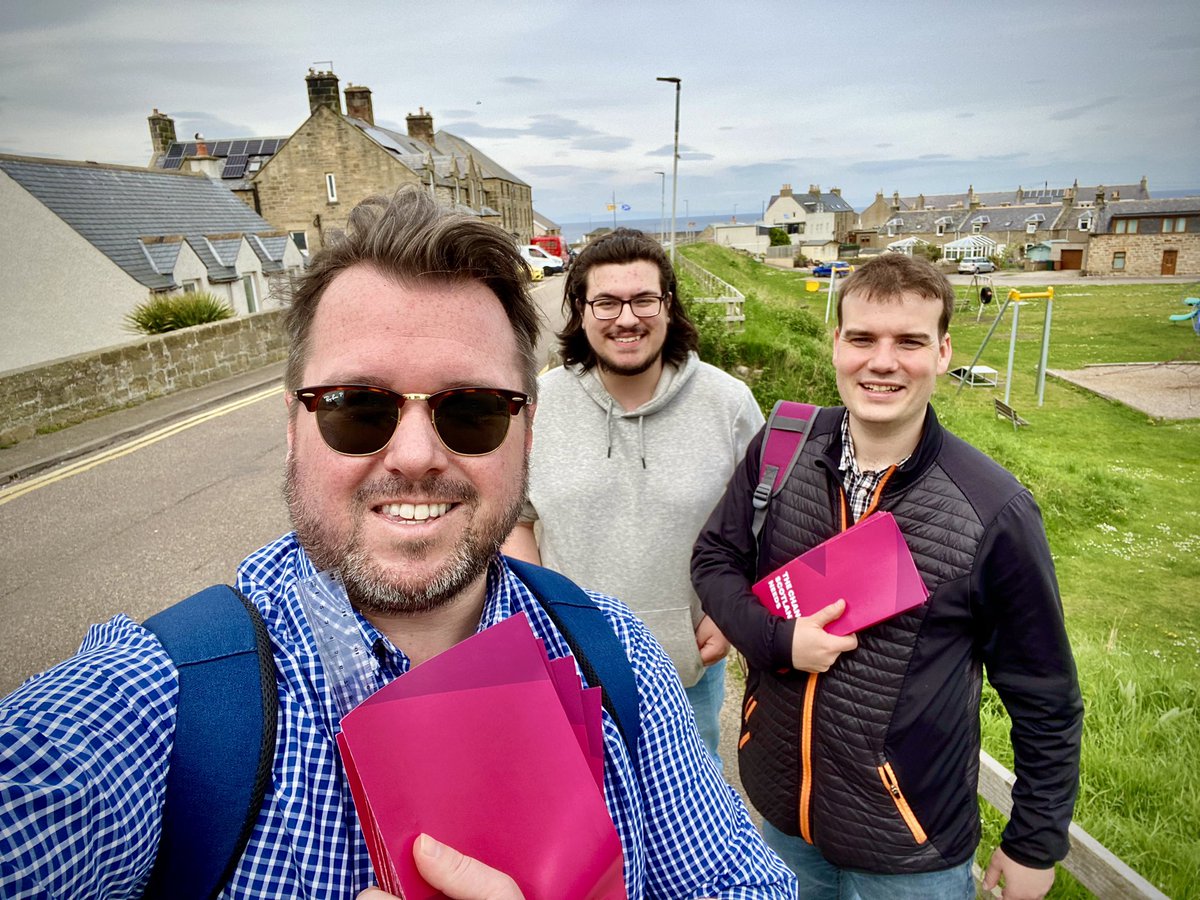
[
  {"x": 224, "y": 750},
  {"x": 787, "y": 430}
]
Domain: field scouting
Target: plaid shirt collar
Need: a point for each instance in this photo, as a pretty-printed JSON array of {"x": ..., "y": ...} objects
[{"x": 859, "y": 486}]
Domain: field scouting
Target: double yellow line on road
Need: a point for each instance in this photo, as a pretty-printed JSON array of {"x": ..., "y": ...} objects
[{"x": 83, "y": 465}]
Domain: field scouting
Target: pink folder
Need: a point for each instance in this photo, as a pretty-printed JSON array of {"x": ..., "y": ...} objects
[
  {"x": 868, "y": 565},
  {"x": 493, "y": 749}
]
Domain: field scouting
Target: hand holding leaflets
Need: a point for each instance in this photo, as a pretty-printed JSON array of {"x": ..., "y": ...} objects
[
  {"x": 869, "y": 566},
  {"x": 496, "y": 751}
]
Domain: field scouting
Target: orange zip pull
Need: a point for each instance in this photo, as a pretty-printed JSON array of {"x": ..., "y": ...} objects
[{"x": 892, "y": 786}]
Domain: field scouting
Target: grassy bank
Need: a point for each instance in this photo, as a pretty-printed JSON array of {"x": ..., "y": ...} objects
[{"x": 1120, "y": 493}]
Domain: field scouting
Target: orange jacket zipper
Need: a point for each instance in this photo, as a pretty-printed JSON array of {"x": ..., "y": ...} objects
[{"x": 888, "y": 777}]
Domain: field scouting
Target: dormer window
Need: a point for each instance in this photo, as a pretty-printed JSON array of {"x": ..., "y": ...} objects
[
  {"x": 1085, "y": 223},
  {"x": 977, "y": 225},
  {"x": 1032, "y": 222},
  {"x": 893, "y": 227}
]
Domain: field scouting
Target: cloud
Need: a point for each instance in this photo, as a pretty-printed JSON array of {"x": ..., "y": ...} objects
[
  {"x": 1074, "y": 112},
  {"x": 519, "y": 80},
  {"x": 602, "y": 142}
]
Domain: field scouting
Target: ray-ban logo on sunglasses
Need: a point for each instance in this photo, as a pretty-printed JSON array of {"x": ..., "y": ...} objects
[{"x": 360, "y": 419}]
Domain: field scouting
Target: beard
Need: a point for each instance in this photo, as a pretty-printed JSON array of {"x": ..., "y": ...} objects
[
  {"x": 374, "y": 587},
  {"x": 613, "y": 368}
]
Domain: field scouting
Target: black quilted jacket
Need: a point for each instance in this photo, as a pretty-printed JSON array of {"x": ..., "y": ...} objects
[{"x": 876, "y": 760}]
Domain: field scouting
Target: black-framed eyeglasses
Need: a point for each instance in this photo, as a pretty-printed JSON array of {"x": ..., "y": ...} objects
[
  {"x": 647, "y": 306},
  {"x": 360, "y": 419}
]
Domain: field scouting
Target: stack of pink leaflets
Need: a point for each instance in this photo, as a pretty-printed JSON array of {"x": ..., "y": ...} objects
[
  {"x": 868, "y": 565},
  {"x": 496, "y": 750}
]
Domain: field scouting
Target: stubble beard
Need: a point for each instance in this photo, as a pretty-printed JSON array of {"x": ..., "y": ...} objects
[
  {"x": 374, "y": 588},
  {"x": 612, "y": 368}
]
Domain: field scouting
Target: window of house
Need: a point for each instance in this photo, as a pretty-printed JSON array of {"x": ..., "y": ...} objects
[
  {"x": 331, "y": 187},
  {"x": 254, "y": 165},
  {"x": 251, "y": 290},
  {"x": 300, "y": 239},
  {"x": 191, "y": 285},
  {"x": 976, "y": 227},
  {"x": 941, "y": 229},
  {"x": 1031, "y": 228},
  {"x": 1118, "y": 260},
  {"x": 1126, "y": 226},
  {"x": 1085, "y": 223},
  {"x": 1177, "y": 224}
]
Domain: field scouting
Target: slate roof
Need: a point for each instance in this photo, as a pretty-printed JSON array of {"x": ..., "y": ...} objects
[
  {"x": 1126, "y": 208},
  {"x": 1029, "y": 196},
  {"x": 828, "y": 201},
  {"x": 461, "y": 149},
  {"x": 138, "y": 218}
]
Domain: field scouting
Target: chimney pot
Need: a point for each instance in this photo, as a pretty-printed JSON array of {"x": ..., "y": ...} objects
[
  {"x": 162, "y": 132},
  {"x": 420, "y": 126},
  {"x": 323, "y": 91},
  {"x": 358, "y": 103}
]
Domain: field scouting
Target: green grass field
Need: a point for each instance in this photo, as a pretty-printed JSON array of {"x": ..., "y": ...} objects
[{"x": 1120, "y": 493}]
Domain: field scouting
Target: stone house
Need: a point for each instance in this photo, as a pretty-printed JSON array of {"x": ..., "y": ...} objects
[
  {"x": 308, "y": 182},
  {"x": 815, "y": 216},
  {"x": 1146, "y": 237},
  {"x": 84, "y": 243}
]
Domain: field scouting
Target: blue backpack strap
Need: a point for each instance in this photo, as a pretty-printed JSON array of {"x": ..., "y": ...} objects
[
  {"x": 787, "y": 430},
  {"x": 224, "y": 750},
  {"x": 593, "y": 643}
]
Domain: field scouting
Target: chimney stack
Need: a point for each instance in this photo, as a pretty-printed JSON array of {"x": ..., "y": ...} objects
[
  {"x": 895, "y": 199},
  {"x": 814, "y": 189},
  {"x": 358, "y": 103},
  {"x": 420, "y": 126},
  {"x": 920, "y": 201},
  {"x": 1100, "y": 196},
  {"x": 785, "y": 191},
  {"x": 323, "y": 91},
  {"x": 162, "y": 131},
  {"x": 837, "y": 192}
]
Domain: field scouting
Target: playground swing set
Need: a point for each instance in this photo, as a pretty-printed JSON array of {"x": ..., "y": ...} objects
[{"x": 1016, "y": 299}]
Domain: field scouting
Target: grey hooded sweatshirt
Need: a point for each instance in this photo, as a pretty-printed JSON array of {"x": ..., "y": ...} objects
[{"x": 619, "y": 497}]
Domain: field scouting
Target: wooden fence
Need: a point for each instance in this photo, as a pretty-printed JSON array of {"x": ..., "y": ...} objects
[
  {"x": 1096, "y": 868},
  {"x": 714, "y": 290}
]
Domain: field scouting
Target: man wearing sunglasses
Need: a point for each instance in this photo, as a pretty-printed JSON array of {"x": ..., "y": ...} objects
[
  {"x": 410, "y": 383},
  {"x": 636, "y": 440}
]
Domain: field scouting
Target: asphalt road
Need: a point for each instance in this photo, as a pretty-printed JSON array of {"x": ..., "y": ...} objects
[{"x": 144, "y": 521}]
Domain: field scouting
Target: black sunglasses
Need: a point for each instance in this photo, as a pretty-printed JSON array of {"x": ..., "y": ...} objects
[{"x": 360, "y": 419}]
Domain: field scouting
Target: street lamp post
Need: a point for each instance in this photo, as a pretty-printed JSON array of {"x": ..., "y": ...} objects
[
  {"x": 662, "y": 206},
  {"x": 674, "y": 166}
]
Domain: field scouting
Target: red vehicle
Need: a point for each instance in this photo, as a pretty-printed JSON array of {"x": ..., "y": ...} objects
[{"x": 554, "y": 244}]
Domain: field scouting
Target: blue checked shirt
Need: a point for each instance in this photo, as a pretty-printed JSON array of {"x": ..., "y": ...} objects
[{"x": 84, "y": 749}]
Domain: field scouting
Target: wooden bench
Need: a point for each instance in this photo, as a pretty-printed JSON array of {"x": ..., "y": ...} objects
[{"x": 1004, "y": 411}]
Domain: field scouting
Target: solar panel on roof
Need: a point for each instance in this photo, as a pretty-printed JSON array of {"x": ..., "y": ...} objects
[
  {"x": 176, "y": 149},
  {"x": 237, "y": 147},
  {"x": 270, "y": 146},
  {"x": 172, "y": 162},
  {"x": 235, "y": 166},
  {"x": 221, "y": 148}
]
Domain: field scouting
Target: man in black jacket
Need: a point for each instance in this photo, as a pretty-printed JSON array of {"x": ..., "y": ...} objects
[{"x": 862, "y": 752}]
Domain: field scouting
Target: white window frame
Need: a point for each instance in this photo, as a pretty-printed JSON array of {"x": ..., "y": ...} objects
[
  {"x": 1118, "y": 261},
  {"x": 191, "y": 286},
  {"x": 300, "y": 239},
  {"x": 1085, "y": 223},
  {"x": 250, "y": 286},
  {"x": 331, "y": 187}
]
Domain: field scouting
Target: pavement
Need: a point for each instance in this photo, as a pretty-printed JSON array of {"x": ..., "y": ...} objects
[{"x": 45, "y": 451}]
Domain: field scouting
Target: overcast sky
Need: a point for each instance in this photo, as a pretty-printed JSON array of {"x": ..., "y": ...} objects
[{"x": 916, "y": 97}]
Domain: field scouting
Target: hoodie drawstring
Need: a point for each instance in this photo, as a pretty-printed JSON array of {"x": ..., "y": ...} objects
[{"x": 642, "y": 439}]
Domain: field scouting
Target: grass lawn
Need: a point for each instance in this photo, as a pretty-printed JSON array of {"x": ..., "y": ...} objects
[{"x": 1120, "y": 493}]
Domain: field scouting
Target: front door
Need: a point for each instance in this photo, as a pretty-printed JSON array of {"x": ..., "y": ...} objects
[{"x": 1168, "y": 262}]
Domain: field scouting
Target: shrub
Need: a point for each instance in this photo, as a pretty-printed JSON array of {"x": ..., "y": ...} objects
[
  {"x": 778, "y": 237},
  {"x": 169, "y": 312}
]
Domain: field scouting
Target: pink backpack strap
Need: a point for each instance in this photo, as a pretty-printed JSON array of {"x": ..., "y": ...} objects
[{"x": 787, "y": 430}]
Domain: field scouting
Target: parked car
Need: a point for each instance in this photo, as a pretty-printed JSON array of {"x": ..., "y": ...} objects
[
  {"x": 826, "y": 269},
  {"x": 536, "y": 256},
  {"x": 973, "y": 265}
]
